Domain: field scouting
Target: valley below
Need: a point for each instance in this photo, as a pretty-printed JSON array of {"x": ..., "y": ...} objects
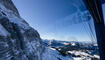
[{"x": 76, "y": 50}]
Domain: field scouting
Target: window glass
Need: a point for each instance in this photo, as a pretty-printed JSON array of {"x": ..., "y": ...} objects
[{"x": 64, "y": 25}]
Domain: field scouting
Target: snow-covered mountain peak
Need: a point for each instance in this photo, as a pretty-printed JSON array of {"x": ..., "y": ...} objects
[{"x": 9, "y": 5}]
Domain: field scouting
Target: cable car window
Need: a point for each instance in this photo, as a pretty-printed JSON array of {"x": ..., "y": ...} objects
[{"x": 69, "y": 27}]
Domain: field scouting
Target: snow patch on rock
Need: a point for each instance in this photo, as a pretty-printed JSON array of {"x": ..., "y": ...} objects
[{"x": 3, "y": 31}]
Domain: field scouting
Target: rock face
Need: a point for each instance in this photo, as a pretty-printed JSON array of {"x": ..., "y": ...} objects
[{"x": 18, "y": 41}]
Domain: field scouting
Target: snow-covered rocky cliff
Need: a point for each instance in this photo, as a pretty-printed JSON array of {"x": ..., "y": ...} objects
[{"x": 19, "y": 41}]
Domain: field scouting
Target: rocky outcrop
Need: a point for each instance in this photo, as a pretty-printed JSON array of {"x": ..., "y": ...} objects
[
  {"x": 18, "y": 41},
  {"x": 10, "y": 6}
]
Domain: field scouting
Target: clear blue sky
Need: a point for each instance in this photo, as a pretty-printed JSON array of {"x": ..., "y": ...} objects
[{"x": 53, "y": 18}]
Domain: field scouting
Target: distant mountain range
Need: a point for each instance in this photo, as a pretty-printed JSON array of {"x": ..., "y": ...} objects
[{"x": 59, "y": 43}]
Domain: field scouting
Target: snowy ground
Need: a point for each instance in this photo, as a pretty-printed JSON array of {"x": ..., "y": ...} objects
[
  {"x": 52, "y": 54},
  {"x": 83, "y": 55}
]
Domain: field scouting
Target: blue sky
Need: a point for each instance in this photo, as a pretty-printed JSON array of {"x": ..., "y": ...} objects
[{"x": 53, "y": 18}]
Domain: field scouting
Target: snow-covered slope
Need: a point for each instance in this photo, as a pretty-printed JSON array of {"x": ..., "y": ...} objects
[
  {"x": 19, "y": 41},
  {"x": 52, "y": 54}
]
